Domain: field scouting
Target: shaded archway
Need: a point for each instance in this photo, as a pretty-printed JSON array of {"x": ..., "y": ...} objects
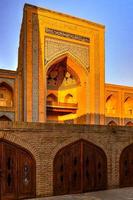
[
  {"x": 126, "y": 167},
  {"x": 18, "y": 172},
  {"x": 79, "y": 167},
  {"x": 61, "y": 81}
]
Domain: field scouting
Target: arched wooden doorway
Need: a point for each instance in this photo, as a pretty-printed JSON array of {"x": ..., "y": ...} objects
[
  {"x": 126, "y": 167},
  {"x": 79, "y": 167},
  {"x": 17, "y": 172}
]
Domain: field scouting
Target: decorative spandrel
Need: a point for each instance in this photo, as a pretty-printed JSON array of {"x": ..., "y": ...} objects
[{"x": 55, "y": 47}]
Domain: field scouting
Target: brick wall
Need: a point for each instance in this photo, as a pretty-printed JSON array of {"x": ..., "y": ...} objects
[{"x": 45, "y": 140}]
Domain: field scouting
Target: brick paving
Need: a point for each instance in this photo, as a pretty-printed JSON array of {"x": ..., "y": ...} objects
[{"x": 115, "y": 194}]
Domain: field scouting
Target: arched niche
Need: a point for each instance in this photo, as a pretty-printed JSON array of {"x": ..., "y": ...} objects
[
  {"x": 6, "y": 95},
  {"x": 129, "y": 123},
  {"x": 62, "y": 81},
  {"x": 112, "y": 123},
  {"x": 52, "y": 98},
  {"x": 128, "y": 106},
  {"x": 69, "y": 98},
  {"x": 4, "y": 118},
  {"x": 111, "y": 105}
]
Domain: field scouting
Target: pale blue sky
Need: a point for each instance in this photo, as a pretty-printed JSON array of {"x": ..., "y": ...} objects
[{"x": 116, "y": 15}]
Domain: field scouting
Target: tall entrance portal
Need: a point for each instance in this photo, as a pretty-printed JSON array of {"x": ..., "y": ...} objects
[
  {"x": 80, "y": 167},
  {"x": 17, "y": 172}
]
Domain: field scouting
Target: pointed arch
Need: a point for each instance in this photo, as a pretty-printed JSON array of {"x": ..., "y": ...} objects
[
  {"x": 129, "y": 123},
  {"x": 69, "y": 98},
  {"x": 65, "y": 74},
  {"x": 52, "y": 98},
  {"x": 125, "y": 166},
  {"x": 7, "y": 84},
  {"x": 70, "y": 157},
  {"x": 112, "y": 123},
  {"x": 4, "y": 118},
  {"x": 66, "y": 54}
]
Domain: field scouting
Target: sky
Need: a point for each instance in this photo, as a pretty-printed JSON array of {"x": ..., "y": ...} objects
[{"x": 116, "y": 15}]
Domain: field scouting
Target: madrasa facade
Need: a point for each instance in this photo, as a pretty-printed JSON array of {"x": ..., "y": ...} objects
[{"x": 62, "y": 128}]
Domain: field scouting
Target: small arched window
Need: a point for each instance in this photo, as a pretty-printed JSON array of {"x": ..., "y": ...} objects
[
  {"x": 69, "y": 98},
  {"x": 52, "y": 98}
]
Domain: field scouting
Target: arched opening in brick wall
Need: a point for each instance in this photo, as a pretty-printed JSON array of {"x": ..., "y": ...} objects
[
  {"x": 126, "y": 167},
  {"x": 18, "y": 172},
  {"x": 79, "y": 167}
]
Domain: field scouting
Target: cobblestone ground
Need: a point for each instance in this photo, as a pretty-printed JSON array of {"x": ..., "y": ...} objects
[{"x": 116, "y": 194}]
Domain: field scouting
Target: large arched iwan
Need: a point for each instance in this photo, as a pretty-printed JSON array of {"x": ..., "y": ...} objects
[
  {"x": 79, "y": 167},
  {"x": 18, "y": 172}
]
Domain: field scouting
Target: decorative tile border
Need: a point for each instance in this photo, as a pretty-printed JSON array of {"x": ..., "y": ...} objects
[
  {"x": 67, "y": 35},
  {"x": 35, "y": 67}
]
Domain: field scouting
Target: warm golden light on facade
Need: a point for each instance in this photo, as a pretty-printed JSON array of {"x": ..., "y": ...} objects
[{"x": 60, "y": 74}]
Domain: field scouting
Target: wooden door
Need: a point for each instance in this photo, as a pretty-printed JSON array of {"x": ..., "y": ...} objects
[
  {"x": 26, "y": 175},
  {"x": 75, "y": 170},
  {"x": 88, "y": 168},
  {"x": 17, "y": 172},
  {"x": 9, "y": 172},
  {"x": 126, "y": 167},
  {"x": 100, "y": 169},
  {"x": 67, "y": 170},
  {"x": 94, "y": 168},
  {"x": 79, "y": 167}
]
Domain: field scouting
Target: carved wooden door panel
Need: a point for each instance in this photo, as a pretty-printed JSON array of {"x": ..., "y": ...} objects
[
  {"x": 9, "y": 172},
  {"x": 88, "y": 168},
  {"x": 100, "y": 169},
  {"x": 17, "y": 172},
  {"x": 131, "y": 165},
  {"x": 61, "y": 172},
  {"x": 75, "y": 170},
  {"x": 67, "y": 173},
  {"x": 0, "y": 170},
  {"x": 94, "y": 168},
  {"x": 26, "y": 175},
  {"x": 126, "y": 167}
]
